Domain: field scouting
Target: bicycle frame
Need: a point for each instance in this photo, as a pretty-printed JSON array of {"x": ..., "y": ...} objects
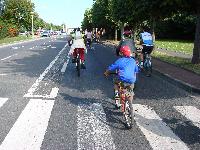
[{"x": 123, "y": 96}]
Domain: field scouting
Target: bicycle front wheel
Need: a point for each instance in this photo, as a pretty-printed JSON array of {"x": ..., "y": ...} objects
[{"x": 128, "y": 114}]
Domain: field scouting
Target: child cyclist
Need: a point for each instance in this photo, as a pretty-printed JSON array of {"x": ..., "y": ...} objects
[{"x": 126, "y": 72}]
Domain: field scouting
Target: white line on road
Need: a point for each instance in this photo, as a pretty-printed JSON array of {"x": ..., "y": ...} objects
[
  {"x": 2, "y": 101},
  {"x": 3, "y": 74},
  {"x": 93, "y": 132},
  {"x": 159, "y": 135},
  {"x": 8, "y": 57},
  {"x": 65, "y": 64},
  {"x": 37, "y": 82},
  {"x": 191, "y": 113},
  {"x": 29, "y": 129},
  {"x": 52, "y": 95}
]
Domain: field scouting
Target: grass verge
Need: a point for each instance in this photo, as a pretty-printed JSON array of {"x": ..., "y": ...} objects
[
  {"x": 183, "y": 46},
  {"x": 181, "y": 62},
  {"x": 13, "y": 39}
]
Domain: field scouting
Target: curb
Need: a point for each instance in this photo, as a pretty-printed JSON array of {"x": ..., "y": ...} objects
[
  {"x": 18, "y": 42},
  {"x": 187, "y": 87}
]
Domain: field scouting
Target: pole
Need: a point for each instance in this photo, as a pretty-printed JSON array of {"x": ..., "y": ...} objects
[{"x": 32, "y": 26}]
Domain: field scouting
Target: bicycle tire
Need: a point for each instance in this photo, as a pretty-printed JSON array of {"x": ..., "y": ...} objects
[
  {"x": 78, "y": 67},
  {"x": 147, "y": 68},
  {"x": 128, "y": 114}
]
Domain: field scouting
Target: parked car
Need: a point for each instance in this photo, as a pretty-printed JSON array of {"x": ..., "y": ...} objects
[{"x": 45, "y": 34}]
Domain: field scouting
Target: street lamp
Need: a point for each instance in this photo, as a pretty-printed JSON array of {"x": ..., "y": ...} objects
[{"x": 32, "y": 13}]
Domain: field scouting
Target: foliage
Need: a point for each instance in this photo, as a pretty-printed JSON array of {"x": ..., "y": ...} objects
[{"x": 183, "y": 46}]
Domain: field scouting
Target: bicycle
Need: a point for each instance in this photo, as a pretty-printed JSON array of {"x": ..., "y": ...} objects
[
  {"x": 147, "y": 64},
  {"x": 78, "y": 61},
  {"x": 126, "y": 102}
]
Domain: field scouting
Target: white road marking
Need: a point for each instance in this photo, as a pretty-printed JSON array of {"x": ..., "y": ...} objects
[
  {"x": 65, "y": 64},
  {"x": 2, "y": 101},
  {"x": 53, "y": 47},
  {"x": 93, "y": 132},
  {"x": 37, "y": 82},
  {"x": 15, "y": 47},
  {"x": 3, "y": 74},
  {"x": 8, "y": 57},
  {"x": 191, "y": 113},
  {"x": 52, "y": 95},
  {"x": 159, "y": 135},
  {"x": 29, "y": 129}
]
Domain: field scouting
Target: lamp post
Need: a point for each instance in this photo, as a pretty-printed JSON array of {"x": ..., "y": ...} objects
[{"x": 32, "y": 24}]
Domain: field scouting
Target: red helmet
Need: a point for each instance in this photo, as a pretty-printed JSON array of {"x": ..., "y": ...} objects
[{"x": 125, "y": 51}]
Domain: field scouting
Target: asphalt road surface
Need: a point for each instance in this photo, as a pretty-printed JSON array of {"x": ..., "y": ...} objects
[{"x": 45, "y": 105}]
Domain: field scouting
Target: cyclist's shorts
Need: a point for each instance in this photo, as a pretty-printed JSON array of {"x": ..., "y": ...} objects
[
  {"x": 147, "y": 49},
  {"x": 128, "y": 86}
]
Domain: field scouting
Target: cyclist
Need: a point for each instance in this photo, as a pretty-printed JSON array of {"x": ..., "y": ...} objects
[
  {"x": 146, "y": 40},
  {"x": 127, "y": 41},
  {"x": 78, "y": 43},
  {"x": 89, "y": 37},
  {"x": 126, "y": 71}
]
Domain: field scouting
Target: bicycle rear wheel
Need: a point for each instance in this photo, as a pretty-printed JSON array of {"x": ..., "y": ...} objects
[
  {"x": 128, "y": 114},
  {"x": 78, "y": 67},
  {"x": 148, "y": 68}
]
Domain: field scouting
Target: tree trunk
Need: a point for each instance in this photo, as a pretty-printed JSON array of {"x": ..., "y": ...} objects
[
  {"x": 196, "y": 49},
  {"x": 116, "y": 34},
  {"x": 153, "y": 28}
]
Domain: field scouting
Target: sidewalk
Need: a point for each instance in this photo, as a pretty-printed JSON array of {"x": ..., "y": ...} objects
[{"x": 180, "y": 77}]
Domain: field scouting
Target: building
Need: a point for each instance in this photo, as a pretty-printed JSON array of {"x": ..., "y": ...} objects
[{"x": 2, "y": 6}]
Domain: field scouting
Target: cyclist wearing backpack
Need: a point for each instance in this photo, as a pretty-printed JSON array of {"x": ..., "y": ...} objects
[
  {"x": 127, "y": 40},
  {"x": 78, "y": 44}
]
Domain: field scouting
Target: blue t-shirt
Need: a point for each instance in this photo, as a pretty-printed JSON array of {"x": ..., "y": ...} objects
[
  {"x": 147, "y": 39},
  {"x": 127, "y": 69}
]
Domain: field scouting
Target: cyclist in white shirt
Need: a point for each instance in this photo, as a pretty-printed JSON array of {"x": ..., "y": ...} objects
[{"x": 89, "y": 37}]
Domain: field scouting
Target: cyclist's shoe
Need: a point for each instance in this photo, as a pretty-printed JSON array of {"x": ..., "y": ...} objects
[
  {"x": 117, "y": 100},
  {"x": 83, "y": 66},
  {"x": 73, "y": 60}
]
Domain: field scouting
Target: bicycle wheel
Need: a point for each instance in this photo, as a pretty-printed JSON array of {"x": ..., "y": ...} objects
[
  {"x": 147, "y": 68},
  {"x": 78, "y": 67},
  {"x": 128, "y": 114}
]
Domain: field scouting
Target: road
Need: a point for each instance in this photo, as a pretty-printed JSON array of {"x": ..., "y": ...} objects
[{"x": 45, "y": 105}]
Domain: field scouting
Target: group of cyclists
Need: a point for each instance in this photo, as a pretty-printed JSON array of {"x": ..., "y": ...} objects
[{"x": 126, "y": 64}]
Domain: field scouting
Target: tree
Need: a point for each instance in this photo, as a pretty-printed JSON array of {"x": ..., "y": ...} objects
[
  {"x": 87, "y": 20},
  {"x": 19, "y": 12}
]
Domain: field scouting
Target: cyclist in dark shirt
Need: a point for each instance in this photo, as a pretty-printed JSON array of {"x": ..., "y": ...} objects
[{"x": 127, "y": 40}]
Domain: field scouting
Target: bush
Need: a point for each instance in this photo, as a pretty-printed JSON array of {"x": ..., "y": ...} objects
[{"x": 7, "y": 30}]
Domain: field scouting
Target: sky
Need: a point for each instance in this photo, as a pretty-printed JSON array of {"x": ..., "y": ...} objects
[{"x": 69, "y": 12}]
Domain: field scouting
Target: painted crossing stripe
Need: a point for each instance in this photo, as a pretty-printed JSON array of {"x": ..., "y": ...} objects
[
  {"x": 159, "y": 135},
  {"x": 29, "y": 129},
  {"x": 93, "y": 132},
  {"x": 2, "y": 101},
  {"x": 191, "y": 113}
]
